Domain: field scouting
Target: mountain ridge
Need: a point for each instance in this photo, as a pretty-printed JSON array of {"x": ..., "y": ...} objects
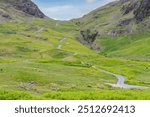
[
  {"x": 117, "y": 14},
  {"x": 18, "y": 9},
  {"x": 118, "y": 18}
]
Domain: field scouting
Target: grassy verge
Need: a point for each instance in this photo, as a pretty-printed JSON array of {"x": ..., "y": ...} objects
[{"x": 115, "y": 94}]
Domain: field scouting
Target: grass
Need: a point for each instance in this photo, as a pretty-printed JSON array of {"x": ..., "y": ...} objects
[
  {"x": 16, "y": 95},
  {"x": 114, "y": 94},
  {"x": 49, "y": 74},
  {"x": 136, "y": 72},
  {"x": 133, "y": 47},
  {"x": 100, "y": 95},
  {"x": 33, "y": 67}
]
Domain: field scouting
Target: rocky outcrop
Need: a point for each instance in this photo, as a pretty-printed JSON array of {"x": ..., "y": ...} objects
[
  {"x": 140, "y": 8},
  {"x": 27, "y": 6},
  {"x": 118, "y": 18},
  {"x": 129, "y": 7},
  {"x": 89, "y": 36},
  {"x": 5, "y": 15},
  {"x": 115, "y": 32},
  {"x": 125, "y": 22},
  {"x": 143, "y": 10}
]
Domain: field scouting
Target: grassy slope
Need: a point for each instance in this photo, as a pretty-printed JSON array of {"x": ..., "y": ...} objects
[
  {"x": 40, "y": 59},
  {"x": 31, "y": 62},
  {"x": 134, "y": 47},
  {"x": 104, "y": 18},
  {"x": 29, "y": 53}
]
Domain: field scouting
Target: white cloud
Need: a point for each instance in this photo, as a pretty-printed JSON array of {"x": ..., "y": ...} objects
[
  {"x": 90, "y": 1},
  {"x": 58, "y": 8},
  {"x": 64, "y": 12},
  {"x": 70, "y": 11}
]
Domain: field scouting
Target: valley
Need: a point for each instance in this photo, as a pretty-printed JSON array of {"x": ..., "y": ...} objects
[{"x": 41, "y": 58}]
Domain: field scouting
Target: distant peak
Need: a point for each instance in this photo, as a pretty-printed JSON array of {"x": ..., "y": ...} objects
[{"x": 28, "y": 7}]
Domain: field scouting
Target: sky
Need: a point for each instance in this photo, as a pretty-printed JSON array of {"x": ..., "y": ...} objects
[{"x": 68, "y": 9}]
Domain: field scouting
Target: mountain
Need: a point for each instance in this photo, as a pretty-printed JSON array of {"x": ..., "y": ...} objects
[
  {"x": 119, "y": 17},
  {"x": 143, "y": 10},
  {"x": 40, "y": 58},
  {"x": 120, "y": 28},
  {"x": 12, "y": 9}
]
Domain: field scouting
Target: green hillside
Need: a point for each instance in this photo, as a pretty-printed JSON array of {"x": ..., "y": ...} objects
[
  {"x": 40, "y": 58},
  {"x": 117, "y": 18},
  {"x": 134, "y": 46},
  {"x": 121, "y": 31},
  {"x": 32, "y": 60}
]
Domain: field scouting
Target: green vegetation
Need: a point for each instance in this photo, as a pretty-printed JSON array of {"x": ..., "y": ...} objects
[
  {"x": 41, "y": 59},
  {"x": 33, "y": 67},
  {"x": 102, "y": 19},
  {"x": 134, "y": 46},
  {"x": 111, "y": 94}
]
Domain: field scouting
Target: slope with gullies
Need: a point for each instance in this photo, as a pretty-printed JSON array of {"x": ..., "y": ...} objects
[
  {"x": 41, "y": 59},
  {"x": 122, "y": 27},
  {"x": 118, "y": 17}
]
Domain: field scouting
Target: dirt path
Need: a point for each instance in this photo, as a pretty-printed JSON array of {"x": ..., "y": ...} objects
[
  {"x": 40, "y": 30},
  {"x": 59, "y": 46},
  {"x": 74, "y": 54},
  {"x": 62, "y": 40}
]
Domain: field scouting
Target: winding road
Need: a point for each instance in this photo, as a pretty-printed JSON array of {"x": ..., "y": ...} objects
[{"x": 121, "y": 81}]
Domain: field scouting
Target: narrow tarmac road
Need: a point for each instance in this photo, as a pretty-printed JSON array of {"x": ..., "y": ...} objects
[{"x": 121, "y": 81}]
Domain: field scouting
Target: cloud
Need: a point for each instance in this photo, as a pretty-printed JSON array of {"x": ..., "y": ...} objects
[
  {"x": 68, "y": 10},
  {"x": 58, "y": 8},
  {"x": 89, "y": 1},
  {"x": 64, "y": 12}
]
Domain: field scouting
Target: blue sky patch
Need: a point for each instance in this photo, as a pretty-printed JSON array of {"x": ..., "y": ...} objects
[{"x": 68, "y": 9}]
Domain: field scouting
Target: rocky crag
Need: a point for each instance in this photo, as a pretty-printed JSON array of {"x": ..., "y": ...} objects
[
  {"x": 15, "y": 9},
  {"x": 27, "y": 6},
  {"x": 117, "y": 18}
]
